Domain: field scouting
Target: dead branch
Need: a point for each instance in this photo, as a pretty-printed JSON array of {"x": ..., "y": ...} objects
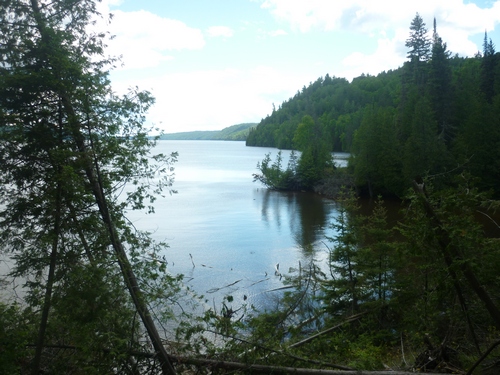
[
  {"x": 483, "y": 357},
  {"x": 282, "y": 352},
  {"x": 310, "y": 338}
]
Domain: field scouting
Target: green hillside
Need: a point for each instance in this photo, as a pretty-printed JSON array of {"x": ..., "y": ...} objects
[
  {"x": 237, "y": 132},
  {"x": 435, "y": 114}
]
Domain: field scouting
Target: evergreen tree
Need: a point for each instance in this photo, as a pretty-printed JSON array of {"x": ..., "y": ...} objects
[
  {"x": 418, "y": 42},
  {"x": 377, "y": 258},
  {"x": 424, "y": 151},
  {"x": 315, "y": 157},
  {"x": 342, "y": 290},
  {"x": 440, "y": 86},
  {"x": 488, "y": 65},
  {"x": 377, "y": 163}
]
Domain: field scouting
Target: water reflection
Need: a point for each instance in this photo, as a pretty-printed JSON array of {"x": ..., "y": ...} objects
[{"x": 307, "y": 215}]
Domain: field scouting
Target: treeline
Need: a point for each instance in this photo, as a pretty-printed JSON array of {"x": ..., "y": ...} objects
[
  {"x": 331, "y": 101},
  {"x": 237, "y": 132},
  {"x": 435, "y": 114}
]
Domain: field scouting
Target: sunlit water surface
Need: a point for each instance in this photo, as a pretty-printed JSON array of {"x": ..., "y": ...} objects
[{"x": 225, "y": 232}]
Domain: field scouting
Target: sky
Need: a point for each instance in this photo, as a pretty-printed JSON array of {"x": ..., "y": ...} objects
[{"x": 211, "y": 64}]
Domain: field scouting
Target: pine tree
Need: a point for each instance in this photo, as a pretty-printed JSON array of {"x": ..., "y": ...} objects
[
  {"x": 440, "y": 86},
  {"x": 414, "y": 74}
]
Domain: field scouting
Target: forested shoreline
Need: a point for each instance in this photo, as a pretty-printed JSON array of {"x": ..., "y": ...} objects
[
  {"x": 238, "y": 132},
  {"x": 422, "y": 295},
  {"x": 437, "y": 115}
]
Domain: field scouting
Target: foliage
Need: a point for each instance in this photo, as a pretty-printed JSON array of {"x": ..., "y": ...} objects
[
  {"x": 15, "y": 334},
  {"x": 333, "y": 103},
  {"x": 274, "y": 177},
  {"x": 343, "y": 291},
  {"x": 442, "y": 256},
  {"x": 304, "y": 172},
  {"x": 69, "y": 148},
  {"x": 377, "y": 155}
]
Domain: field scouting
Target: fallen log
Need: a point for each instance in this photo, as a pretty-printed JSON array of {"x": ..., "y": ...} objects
[
  {"x": 310, "y": 338},
  {"x": 254, "y": 368},
  {"x": 266, "y": 369}
]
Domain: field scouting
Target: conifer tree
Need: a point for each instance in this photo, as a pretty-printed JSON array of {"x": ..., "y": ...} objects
[
  {"x": 418, "y": 42},
  {"x": 342, "y": 290},
  {"x": 440, "y": 89},
  {"x": 488, "y": 65},
  {"x": 315, "y": 158}
]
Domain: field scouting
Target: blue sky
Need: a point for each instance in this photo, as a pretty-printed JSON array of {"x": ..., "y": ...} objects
[{"x": 215, "y": 63}]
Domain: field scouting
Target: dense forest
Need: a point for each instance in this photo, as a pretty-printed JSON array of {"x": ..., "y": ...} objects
[
  {"x": 421, "y": 294},
  {"x": 437, "y": 113}
]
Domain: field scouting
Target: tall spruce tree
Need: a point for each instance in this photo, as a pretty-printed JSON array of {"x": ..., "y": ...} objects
[
  {"x": 419, "y": 52},
  {"x": 418, "y": 42}
]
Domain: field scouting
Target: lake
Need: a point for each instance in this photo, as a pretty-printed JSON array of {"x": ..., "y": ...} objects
[{"x": 225, "y": 232}]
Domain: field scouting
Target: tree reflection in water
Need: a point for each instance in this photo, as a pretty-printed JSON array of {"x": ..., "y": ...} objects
[{"x": 309, "y": 217}]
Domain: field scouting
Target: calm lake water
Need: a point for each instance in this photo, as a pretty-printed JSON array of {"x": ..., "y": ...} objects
[{"x": 225, "y": 232}]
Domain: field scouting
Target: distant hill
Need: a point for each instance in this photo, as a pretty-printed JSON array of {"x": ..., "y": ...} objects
[{"x": 232, "y": 133}]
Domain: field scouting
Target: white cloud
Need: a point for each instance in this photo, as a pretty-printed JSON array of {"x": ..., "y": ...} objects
[
  {"x": 384, "y": 58},
  {"x": 214, "y": 99},
  {"x": 456, "y": 23},
  {"x": 144, "y": 39},
  {"x": 216, "y": 31},
  {"x": 303, "y": 15},
  {"x": 368, "y": 15},
  {"x": 194, "y": 98}
]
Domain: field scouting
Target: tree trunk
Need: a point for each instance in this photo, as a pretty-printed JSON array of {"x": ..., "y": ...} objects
[{"x": 35, "y": 369}]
